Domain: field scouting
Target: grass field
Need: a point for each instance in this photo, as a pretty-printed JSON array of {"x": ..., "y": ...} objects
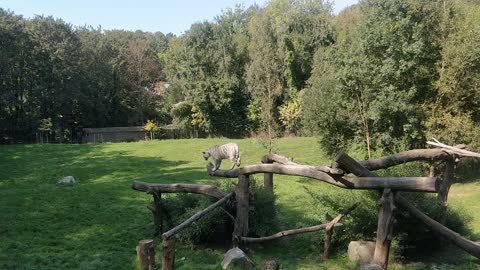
[{"x": 97, "y": 223}]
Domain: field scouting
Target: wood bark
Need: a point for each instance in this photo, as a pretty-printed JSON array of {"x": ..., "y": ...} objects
[
  {"x": 271, "y": 158},
  {"x": 454, "y": 150},
  {"x": 242, "y": 196},
  {"x": 329, "y": 229},
  {"x": 384, "y": 228},
  {"x": 196, "y": 217},
  {"x": 146, "y": 254},
  {"x": 425, "y": 184},
  {"x": 168, "y": 253},
  {"x": 463, "y": 243},
  {"x": 179, "y": 188}
]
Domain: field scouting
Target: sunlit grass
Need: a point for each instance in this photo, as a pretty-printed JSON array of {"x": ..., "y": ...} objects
[{"x": 97, "y": 223}]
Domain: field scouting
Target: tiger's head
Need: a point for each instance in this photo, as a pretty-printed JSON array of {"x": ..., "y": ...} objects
[{"x": 206, "y": 155}]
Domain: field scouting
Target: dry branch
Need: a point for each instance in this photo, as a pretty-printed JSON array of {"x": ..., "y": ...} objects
[
  {"x": 425, "y": 184},
  {"x": 404, "y": 157},
  {"x": 275, "y": 158},
  {"x": 454, "y": 150},
  {"x": 179, "y": 188},
  {"x": 333, "y": 223},
  {"x": 196, "y": 217},
  {"x": 286, "y": 233}
]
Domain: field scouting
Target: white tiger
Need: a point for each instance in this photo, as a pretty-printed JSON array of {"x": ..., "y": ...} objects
[{"x": 220, "y": 152}]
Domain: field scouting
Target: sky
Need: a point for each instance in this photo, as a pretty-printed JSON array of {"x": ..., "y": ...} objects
[{"x": 166, "y": 16}]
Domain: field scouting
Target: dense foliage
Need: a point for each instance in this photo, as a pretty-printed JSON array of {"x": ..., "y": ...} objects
[{"x": 383, "y": 73}]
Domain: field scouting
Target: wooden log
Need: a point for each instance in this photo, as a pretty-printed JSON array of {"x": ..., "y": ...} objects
[
  {"x": 384, "y": 228},
  {"x": 329, "y": 229},
  {"x": 463, "y": 243},
  {"x": 404, "y": 157},
  {"x": 146, "y": 254},
  {"x": 424, "y": 184},
  {"x": 271, "y": 158},
  {"x": 157, "y": 213},
  {"x": 179, "y": 188},
  {"x": 168, "y": 253},
  {"x": 196, "y": 217},
  {"x": 242, "y": 196},
  {"x": 286, "y": 233}
]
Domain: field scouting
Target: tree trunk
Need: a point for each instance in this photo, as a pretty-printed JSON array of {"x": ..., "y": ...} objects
[
  {"x": 157, "y": 213},
  {"x": 448, "y": 179},
  {"x": 146, "y": 254}
]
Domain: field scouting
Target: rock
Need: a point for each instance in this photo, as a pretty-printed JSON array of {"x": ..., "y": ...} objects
[
  {"x": 361, "y": 251},
  {"x": 236, "y": 259},
  {"x": 67, "y": 181},
  {"x": 271, "y": 265},
  {"x": 371, "y": 266}
]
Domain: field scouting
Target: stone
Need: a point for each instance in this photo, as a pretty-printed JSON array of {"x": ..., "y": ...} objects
[
  {"x": 236, "y": 259},
  {"x": 67, "y": 181},
  {"x": 361, "y": 251},
  {"x": 271, "y": 265},
  {"x": 371, "y": 266}
]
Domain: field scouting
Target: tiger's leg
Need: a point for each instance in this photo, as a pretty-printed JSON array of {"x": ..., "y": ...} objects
[
  {"x": 216, "y": 163},
  {"x": 232, "y": 160}
]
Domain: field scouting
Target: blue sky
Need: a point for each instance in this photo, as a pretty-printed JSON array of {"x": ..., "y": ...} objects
[{"x": 166, "y": 16}]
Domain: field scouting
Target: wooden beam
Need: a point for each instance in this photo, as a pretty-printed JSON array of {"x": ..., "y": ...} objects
[
  {"x": 196, "y": 217},
  {"x": 179, "y": 188},
  {"x": 448, "y": 179},
  {"x": 469, "y": 246},
  {"x": 242, "y": 196},
  {"x": 146, "y": 254},
  {"x": 386, "y": 220},
  {"x": 424, "y": 184},
  {"x": 157, "y": 213}
]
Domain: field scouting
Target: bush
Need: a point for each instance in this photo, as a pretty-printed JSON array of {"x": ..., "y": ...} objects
[{"x": 216, "y": 226}]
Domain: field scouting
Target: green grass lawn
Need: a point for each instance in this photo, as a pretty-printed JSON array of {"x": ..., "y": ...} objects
[{"x": 97, "y": 223}]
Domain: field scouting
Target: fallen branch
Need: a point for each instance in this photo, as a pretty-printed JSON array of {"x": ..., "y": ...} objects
[
  {"x": 179, "y": 188},
  {"x": 196, "y": 217},
  {"x": 271, "y": 158},
  {"x": 425, "y": 184},
  {"x": 329, "y": 229}
]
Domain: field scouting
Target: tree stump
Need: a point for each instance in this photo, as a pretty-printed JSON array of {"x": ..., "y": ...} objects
[
  {"x": 146, "y": 254},
  {"x": 168, "y": 253}
]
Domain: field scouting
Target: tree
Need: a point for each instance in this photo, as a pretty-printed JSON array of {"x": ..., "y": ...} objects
[{"x": 151, "y": 127}]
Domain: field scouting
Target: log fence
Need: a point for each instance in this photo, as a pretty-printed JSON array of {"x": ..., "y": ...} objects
[{"x": 389, "y": 189}]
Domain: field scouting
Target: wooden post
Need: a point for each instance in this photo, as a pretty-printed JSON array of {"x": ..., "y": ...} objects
[
  {"x": 146, "y": 254},
  {"x": 267, "y": 177},
  {"x": 448, "y": 178},
  {"x": 157, "y": 213},
  {"x": 242, "y": 195},
  {"x": 168, "y": 253},
  {"x": 328, "y": 238},
  {"x": 384, "y": 228}
]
